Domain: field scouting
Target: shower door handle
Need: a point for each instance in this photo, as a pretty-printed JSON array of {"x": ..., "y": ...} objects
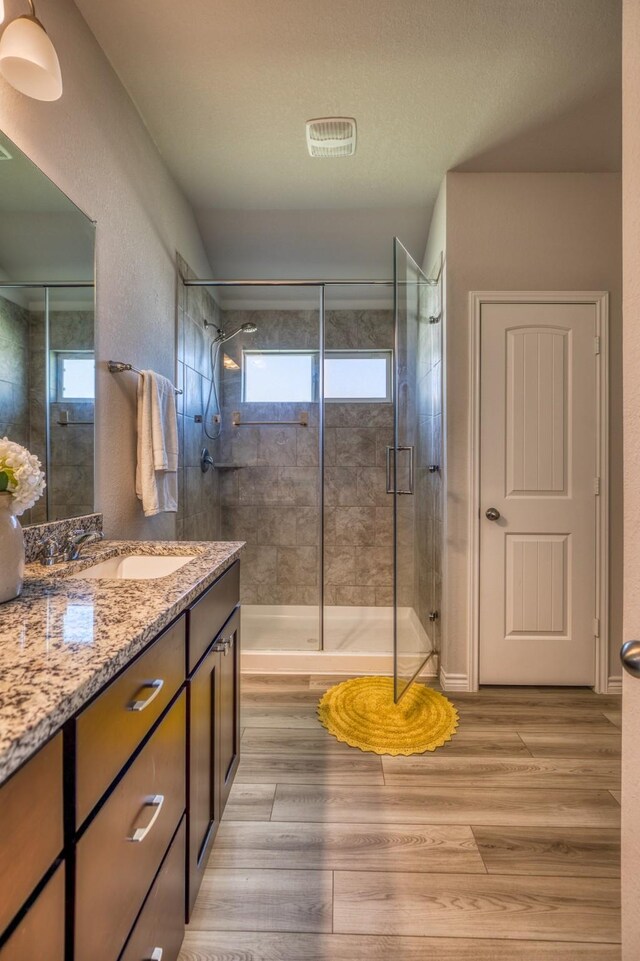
[
  {"x": 410, "y": 489},
  {"x": 389, "y": 487}
]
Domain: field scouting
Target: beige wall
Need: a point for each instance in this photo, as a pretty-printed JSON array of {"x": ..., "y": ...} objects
[
  {"x": 522, "y": 232},
  {"x": 631, "y": 627},
  {"x": 94, "y": 146}
]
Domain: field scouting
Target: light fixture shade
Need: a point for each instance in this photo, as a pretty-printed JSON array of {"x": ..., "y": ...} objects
[
  {"x": 28, "y": 60},
  {"x": 1, "y": 11}
]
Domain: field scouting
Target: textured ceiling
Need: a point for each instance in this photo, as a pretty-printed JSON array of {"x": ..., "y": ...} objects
[{"x": 225, "y": 87}]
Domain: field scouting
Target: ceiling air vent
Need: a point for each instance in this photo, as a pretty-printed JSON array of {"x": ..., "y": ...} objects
[
  {"x": 331, "y": 137},
  {"x": 4, "y": 153}
]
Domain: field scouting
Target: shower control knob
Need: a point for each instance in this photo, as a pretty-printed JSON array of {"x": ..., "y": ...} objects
[
  {"x": 492, "y": 514},
  {"x": 206, "y": 460}
]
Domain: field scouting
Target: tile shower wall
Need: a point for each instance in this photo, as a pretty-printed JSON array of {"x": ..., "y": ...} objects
[
  {"x": 70, "y": 470},
  {"x": 14, "y": 371},
  {"x": 198, "y": 516},
  {"x": 23, "y": 409},
  {"x": 358, "y": 510},
  {"x": 270, "y": 477}
]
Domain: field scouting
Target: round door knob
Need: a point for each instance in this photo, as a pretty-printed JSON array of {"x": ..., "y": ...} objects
[
  {"x": 492, "y": 514},
  {"x": 630, "y": 657}
]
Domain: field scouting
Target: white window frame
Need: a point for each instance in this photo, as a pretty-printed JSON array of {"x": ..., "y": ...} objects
[
  {"x": 59, "y": 356},
  {"x": 370, "y": 353},
  {"x": 313, "y": 354}
]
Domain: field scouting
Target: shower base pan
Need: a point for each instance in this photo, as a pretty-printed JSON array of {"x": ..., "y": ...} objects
[{"x": 356, "y": 639}]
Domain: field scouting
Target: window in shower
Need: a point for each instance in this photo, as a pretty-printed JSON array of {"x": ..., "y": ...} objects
[
  {"x": 350, "y": 376},
  {"x": 74, "y": 375},
  {"x": 358, "y": 376},
  {"x": 279, "y": 376}
]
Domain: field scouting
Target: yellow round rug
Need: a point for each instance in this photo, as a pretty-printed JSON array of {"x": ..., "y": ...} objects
[{"x": 362, "y": 713}]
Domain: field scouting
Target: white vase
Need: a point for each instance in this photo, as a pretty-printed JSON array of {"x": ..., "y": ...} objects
[{"x": 11, "y": 550}]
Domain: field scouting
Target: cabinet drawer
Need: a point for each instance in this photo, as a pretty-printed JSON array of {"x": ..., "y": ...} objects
[
  {"x": 31, "y": 826},
  {"x": 114, "y": 871},
  {"x": 210, "y": 612},
  {"x": 112, "y": 726},
  {"x": 40, "y": 934},
  {"x": 160, "y": 927}
]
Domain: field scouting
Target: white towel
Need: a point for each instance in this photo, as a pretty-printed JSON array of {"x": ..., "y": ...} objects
[{"x": 157, "y": 467}]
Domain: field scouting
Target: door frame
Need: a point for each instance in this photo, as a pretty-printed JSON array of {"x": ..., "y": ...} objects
[{"x": 600, "y": 300}]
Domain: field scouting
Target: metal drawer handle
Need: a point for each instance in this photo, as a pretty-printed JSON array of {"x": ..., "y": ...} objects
[
  {"x": 156, "y": 801},
  {"x": 156, "y": 954},
  {"x": 156, "y": 686}
]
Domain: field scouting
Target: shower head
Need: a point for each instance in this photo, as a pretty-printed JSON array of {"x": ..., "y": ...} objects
[{"x": 222, "y": 336}]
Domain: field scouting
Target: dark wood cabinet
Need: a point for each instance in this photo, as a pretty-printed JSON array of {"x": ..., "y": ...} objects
[
  {"x": 214, "y": 741},
  {"x": 228, "y": 713},
  {"x": 40, "y": 934},
  {"x": 119, "y": 854},
  {"x": 159, "y": 930},
  {"x": 30, "y": 827},
  {"x": 209, "y": 613},
  {"x": 203, "y": 797},
  {"x": 97, "y": 827},
  {"x": 110, "y": 728}
]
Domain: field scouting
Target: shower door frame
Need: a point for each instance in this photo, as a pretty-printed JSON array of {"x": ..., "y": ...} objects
[{"x": 321, "y": 285}]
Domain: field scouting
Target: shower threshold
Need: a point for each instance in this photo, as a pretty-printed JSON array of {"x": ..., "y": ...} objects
[{"x": 285, "y": 638}]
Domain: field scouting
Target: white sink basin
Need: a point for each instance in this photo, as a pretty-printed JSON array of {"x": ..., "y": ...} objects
[{"x": 133, "y": 567}]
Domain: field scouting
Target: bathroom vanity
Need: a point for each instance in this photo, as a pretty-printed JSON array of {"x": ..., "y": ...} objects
[{"x": 119, "y": 742}]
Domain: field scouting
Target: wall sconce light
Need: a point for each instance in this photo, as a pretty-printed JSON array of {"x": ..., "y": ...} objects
[
  {"x": 1, "y": 10},
  {"x": 28, "y": 59}
]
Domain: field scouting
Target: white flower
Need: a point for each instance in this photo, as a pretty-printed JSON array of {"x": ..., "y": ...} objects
[{"x": 21, "y": 475}]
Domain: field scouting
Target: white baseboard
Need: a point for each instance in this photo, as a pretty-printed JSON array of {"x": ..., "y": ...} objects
[
  {"x": 454, "y": 682},
  {"x": 614, "y": 684}
]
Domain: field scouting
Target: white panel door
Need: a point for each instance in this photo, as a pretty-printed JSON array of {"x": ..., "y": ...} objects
[{"x": 538, "y": 456}]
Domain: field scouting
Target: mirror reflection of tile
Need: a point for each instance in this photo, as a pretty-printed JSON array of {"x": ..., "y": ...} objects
[{"x": 43, "y": 236}]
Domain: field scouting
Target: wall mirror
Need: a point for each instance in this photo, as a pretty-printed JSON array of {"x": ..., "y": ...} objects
[{"x": 47, "y": 370}]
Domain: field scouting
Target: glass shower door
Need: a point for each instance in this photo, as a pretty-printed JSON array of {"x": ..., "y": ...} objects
[{"x": 413, "y": 564}]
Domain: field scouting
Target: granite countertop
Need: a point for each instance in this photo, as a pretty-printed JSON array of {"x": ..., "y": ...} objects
[{"x": 64, "y": 638}]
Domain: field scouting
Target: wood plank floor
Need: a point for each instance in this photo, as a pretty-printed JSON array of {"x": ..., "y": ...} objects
[{"x": 501, "y": 846}]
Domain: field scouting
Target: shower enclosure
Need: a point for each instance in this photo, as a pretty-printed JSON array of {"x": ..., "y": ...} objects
[
  {"x": 321, "y": 412},
  {"x": 47, "y": 388}
]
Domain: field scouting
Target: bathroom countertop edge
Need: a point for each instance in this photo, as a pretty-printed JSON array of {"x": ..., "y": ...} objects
[{"x": 64, "y": 639}]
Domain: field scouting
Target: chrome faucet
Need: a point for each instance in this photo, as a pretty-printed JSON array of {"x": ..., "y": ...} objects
[
  {"x": 80, "y": 539},
  {"x": 53, "y": 553}
]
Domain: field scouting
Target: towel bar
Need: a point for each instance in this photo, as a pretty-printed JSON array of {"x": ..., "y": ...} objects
[
  {"x": 303, "y": 421},
  {"x": 117, "y": 366}
]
